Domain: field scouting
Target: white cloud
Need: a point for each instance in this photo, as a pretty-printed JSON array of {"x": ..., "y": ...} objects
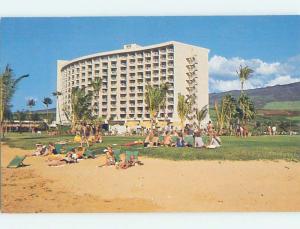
[
  {"x": 280, "y": 80},
  {"x": 223, "y": 76},
  {"x": 222, "y": 66},
  {"x": 228, "y": 85}
]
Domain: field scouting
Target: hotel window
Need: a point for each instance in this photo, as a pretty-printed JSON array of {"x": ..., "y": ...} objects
[
  {"x": 163, "y": 50},
  {"x": 113, "y": 57},
  {"x": 170, "y": 49},
  {"x": 114, "y": 63},
  {"x": 155, "y": 52},
  {"x": 123, "y": 55}
]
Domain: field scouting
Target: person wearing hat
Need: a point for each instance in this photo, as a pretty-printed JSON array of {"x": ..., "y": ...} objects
[{"x": 110, "y": 159}]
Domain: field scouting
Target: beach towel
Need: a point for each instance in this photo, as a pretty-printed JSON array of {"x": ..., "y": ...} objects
[{"x": 16, "y": 162}]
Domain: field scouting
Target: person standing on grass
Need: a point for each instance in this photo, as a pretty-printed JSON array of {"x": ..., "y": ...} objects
[
  {"x": 210, "y": 130},
  {"x": 274, "y": 130},
  {"x": 84, "y": 135},
  {"x": 270, "y": 130}
]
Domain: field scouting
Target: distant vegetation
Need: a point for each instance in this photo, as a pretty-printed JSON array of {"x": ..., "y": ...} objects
[
  {"x": 287, "y": 105},
  {"x": 278, "y": 105}
]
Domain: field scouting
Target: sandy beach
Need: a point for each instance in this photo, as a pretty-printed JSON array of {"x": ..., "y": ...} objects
[{"x": 159, "y": 186}]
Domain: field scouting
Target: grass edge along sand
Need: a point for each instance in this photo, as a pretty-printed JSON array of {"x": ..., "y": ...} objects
[{"x": 233, "y": 148}]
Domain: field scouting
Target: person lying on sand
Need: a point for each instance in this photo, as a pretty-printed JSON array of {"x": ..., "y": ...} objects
[
  {"x": 127, "y": 164},
  {"x": 62, "y": 161},
  {"x": 40, "y": 150},
  {"x": 51, "y": 149}
]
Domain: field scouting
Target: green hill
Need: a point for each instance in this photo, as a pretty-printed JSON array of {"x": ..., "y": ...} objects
[{"x": 264, "y": 98}]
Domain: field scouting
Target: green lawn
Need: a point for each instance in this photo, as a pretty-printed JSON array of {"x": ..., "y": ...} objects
[
  {"x": 252, "y": 148},
  {"x": 288, "y": 105}
]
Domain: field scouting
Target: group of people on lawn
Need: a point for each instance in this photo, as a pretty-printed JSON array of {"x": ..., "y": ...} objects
[
  {"x": 87, "y": 134},
  {"x": 186, "y": 138},
  {"x": 169, "y": 138}
]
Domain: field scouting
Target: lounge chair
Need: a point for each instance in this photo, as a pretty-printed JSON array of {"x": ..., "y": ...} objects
[
  {"x": 128, "y": 154},
  {"x": 16, "y": 162},
  {"x": 117, "y": 155},
  {"x": 58, "y": 148},
  {"x": 89, "y": 154},
  {"x": 70, "y": 148}
]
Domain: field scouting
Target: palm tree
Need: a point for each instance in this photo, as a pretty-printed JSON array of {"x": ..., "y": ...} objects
[
  {"x": 8, "y": 86},
  {"x": 225, "y": 112},
  {"x": 20, "y": 116},
  {"x": 154, "y": 98},
  {"x": 201, "y": 114},
  {"x": 97, "y": 84},
  {"x": 57, "y": 94},
  {"x": 47, "y": 101},
  {"x": 164, "y": 87},
  {"x": 231, "y": 107},
  {"x": 80, "y": 105},
  {"x": 246, "y": 107},
  {"x": 183, "y": 109},
  {"x": 31, "y": 103},
  {"x": 244, "y": 74}
]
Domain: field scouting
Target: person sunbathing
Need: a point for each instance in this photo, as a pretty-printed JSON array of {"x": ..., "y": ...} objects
[
  {"x": 98, "y": 138},
  {"x": 167, "y": 139},
  {"x": 40, "y": 150},
  {"x": 198, "y": 140},
  {"x": 127, "y": 164},
  {"x": 52, "y": 149},
  {"x": 215, "y": 141},
  {"x": 148, "y": 139},
  {"x": 180, "y": 141},
  {"x": 77, "y": 138},
  {"x": 68, "y": 159},
  {"x": 110, "y": 158}
]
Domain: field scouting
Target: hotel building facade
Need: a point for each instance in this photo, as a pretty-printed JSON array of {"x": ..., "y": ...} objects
[{"x": 125, "y": 74}]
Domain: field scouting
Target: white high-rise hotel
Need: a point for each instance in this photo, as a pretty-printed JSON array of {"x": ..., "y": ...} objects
[{"x": 127, "y": 71}]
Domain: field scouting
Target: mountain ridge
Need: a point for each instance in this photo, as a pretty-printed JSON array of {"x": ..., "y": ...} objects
[{"x": 264, "y": 95}]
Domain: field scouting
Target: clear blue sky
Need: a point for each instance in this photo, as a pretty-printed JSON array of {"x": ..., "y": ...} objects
[{"x": 32, "y": 45}]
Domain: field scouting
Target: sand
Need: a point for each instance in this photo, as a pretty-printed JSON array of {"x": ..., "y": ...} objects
[{"x": 157, "y": 186}]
